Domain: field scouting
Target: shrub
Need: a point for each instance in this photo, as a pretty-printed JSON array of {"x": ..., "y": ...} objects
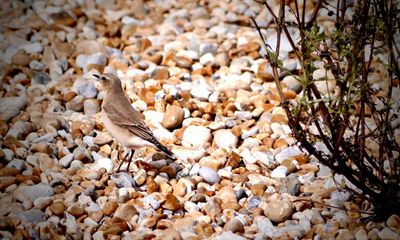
[{"x": 354, "y": 129}]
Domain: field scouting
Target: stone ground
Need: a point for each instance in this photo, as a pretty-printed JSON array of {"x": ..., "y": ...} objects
[{"x": 194, "y": 69}]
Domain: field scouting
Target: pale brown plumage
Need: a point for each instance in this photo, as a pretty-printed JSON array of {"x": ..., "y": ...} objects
[{"x": 123, "y": 122}]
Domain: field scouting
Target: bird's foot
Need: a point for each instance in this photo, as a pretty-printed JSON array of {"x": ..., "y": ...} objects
[{"x": 128, "y": 156}]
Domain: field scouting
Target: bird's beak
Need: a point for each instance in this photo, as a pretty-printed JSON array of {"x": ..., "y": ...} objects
[{"x": 96, "y": 76}]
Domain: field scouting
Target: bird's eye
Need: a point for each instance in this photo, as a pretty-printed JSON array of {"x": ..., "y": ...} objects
[{"x": 103, "y": 78}]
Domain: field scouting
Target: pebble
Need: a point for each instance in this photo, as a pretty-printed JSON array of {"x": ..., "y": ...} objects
[
  {"x": 173, "y": 117},
  {"x": 307, "y": 178},
  {"x": 20, "y": 129},
  {"x": 387, "y": 233},
  {"x": 361, "y": 234},
  {"x": 234, "y": 226},
  {"x": 126, "y": 211},
  {"x": 200, "y": 92},
  {"x": 140, "y": 177},
  {"x": 344, "y": 234},
  {"x": 42, "y": 202},
  {"x": 57, "y": 208},
  {"x": 290, "y": 185},
  {"x": 11, "y": 106},
  {"x": 224, "y": 138},
  {"x": 32, "y": 216},
  {"x": 122, "y": 180},
  {"x": 172, "y": 203},
  {"x": 91, "y": 107},
  {"x": 228, "y": 236},
  {"x": 21, "y": 57},
  {"x": 209, "y": 175},
  {"x": 40, "y": 78},
  {"x": 207, "y": 59},
  {"x": 196, "y": 137},
  {"x": 32, "y": 47},
  {"x": 287, "y": 153},
  {"x": 83, "y": 61},
  {"x": 279, "y": 210},
  {"x": 36, "y": 65},
  {"x": 324, "y": 171},
  {"x": 31, "y": 193},
  {"x": 393, "y": 222},
  {"x": 189, "y": 154},
  {"x": 66, "y": 160},
  {"x": 88, "y": 174},
  {"x": 292, "y": 83},
  {"x": 76, "y": 104},
  {"x": 279, "y": 172},
  {"x": 17, "y": 164},
  {"x": 328, "y": 85}
]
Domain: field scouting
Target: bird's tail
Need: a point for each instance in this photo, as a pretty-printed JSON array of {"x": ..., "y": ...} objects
[{"x": 164, "y": 149}]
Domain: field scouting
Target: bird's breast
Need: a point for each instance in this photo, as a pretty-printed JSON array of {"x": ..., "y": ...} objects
[{"x": 122, "y": 135}]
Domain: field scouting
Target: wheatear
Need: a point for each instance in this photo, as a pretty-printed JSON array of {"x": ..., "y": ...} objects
[{"x": 123, "y": 122}]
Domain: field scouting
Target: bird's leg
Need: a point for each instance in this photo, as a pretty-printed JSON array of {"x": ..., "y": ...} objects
[
  {"x": 130, "y": 160},
  {"x": 123, "y": 159}
]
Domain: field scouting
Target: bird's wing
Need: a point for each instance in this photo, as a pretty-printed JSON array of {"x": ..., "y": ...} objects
[{"x": 125, "y": 116}]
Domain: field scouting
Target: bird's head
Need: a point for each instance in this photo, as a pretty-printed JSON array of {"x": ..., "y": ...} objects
[{"x": 108, "y": 80}]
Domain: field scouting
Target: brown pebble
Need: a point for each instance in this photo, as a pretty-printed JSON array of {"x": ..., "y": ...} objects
[
  {"x": 156, "y": 58},
  {"x": 289, "y": 165},
  {"x": 152, "y": 186},
  {"x": 147, "y": 96},
  {"x": 237, "y": 131},
  {"x": 22, "y": 178},
  {"x": 8, "y": 171},
  {"x": 302, "y": 159},
  {"x": 3, "y": 128},
  {"x": 309, "y": 167},
  {"x": 263, "y": 74},
  {"x": 57, "y": 208},
  {"x": 280, "y": 143},
  {"x": 76, "y": 210},
  {"x": 257, "y": 212},
  {"x": 172, "y": 203},
  {"x": 20, "y": 58},
  {"x": 234, "y": 225},
  {"x": 268, "y": 142},
  {"x": 233, "y": 161},
  {"x": 279, "y": 118},
  {"x": 144, "y": 43},
  {"x": 160, "y": 73},
  {"x": 164, "y": 224},
  {"x": 115, "y": 227},
  {"x": 258, "y": 189},
  {"x": 198, "y": 197},
  {"x": 21, "y": 234},
  {"x": 109, "y": 207},
  {"x": 126, "y": 211},
  {"x": 6, "y": 181},
  {"x": 173, "y": 117},
  {"x": 231, "y": 205},
  {"x": 40, "y": 147},
  {"x": 169, "y": 170},
  {"x": 279, "y": 210},
  {"x": 290, "y": 94},
  {"x": 63, "y": 18},
  {"x": 203, "y": 230},
  {"x": 69, "y": 95}
]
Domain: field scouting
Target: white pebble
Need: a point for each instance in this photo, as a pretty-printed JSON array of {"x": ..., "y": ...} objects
[
  {"x": 196, "y": 137},
  {"x": 209, "y": 175},
  {"x": 224, "y": 138},
  {"x": 279, "y": 172}
]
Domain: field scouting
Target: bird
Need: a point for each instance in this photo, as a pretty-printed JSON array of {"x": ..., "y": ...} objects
[{"x": 123, "y": 122}]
